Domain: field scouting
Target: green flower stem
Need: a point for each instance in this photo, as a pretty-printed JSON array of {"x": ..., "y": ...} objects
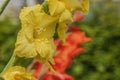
[
  {"x": 11, "y": 62},
  {"x": 4, "y": 6}
]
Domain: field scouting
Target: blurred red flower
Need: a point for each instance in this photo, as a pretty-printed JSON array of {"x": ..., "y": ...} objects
[
  {"x": 67, "y": 52},
  {"x": 57, "y": 76},
  {"x": 38, "y": 67},
  {"x": 78, "y": 16}
]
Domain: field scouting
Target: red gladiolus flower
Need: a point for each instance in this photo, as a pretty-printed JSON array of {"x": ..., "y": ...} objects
[{"x": 67, "y": 52}]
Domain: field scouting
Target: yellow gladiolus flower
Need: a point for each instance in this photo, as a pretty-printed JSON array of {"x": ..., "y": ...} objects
[
  {"x": 35, "y": 39},
  {"x": 18, "y": 73}
]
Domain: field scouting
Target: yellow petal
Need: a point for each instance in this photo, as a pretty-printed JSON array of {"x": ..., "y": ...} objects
[
  {"x": 29, "y": 16},
  {"x": 85, "y": 6},
  {"x": 28, "y": 29},
  {"x": 72, "y": 4},
  {"x": 52, "y": 6},
  {"x": 66, "y": 17},
  {"x": 17, "y": 73},
  {"x": 44, "y": 47},
  {"x": 24, "y": 47},
  {"x": 76, "y": 5},
  {"x": 62, "y": 31},
  {"x": 56, "y": 7}
]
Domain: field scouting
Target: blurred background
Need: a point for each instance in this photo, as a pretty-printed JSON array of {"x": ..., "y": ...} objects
[{"x": 101, "y": 61}]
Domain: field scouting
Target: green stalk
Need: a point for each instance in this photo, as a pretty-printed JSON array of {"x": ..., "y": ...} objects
[
  {"x": 10, "y": 64},
  {"x": 4, "y": 6}
]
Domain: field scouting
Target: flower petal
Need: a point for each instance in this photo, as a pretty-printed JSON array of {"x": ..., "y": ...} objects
[
  {"x": 85, "y": 6},
  {"x": 72, "y": 4},
  {"x": 66, "y": 17},
  {"x": 56, "y": 7},
  {"x": 62, "y": 31},
  {"x": 24, "y": 47},
  {"x": 18, "y": 73}
]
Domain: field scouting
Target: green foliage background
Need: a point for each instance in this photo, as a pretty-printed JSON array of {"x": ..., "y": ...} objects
[
  {"x": 8, "y": 33},
  {"x": 100, "y": 61}
]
